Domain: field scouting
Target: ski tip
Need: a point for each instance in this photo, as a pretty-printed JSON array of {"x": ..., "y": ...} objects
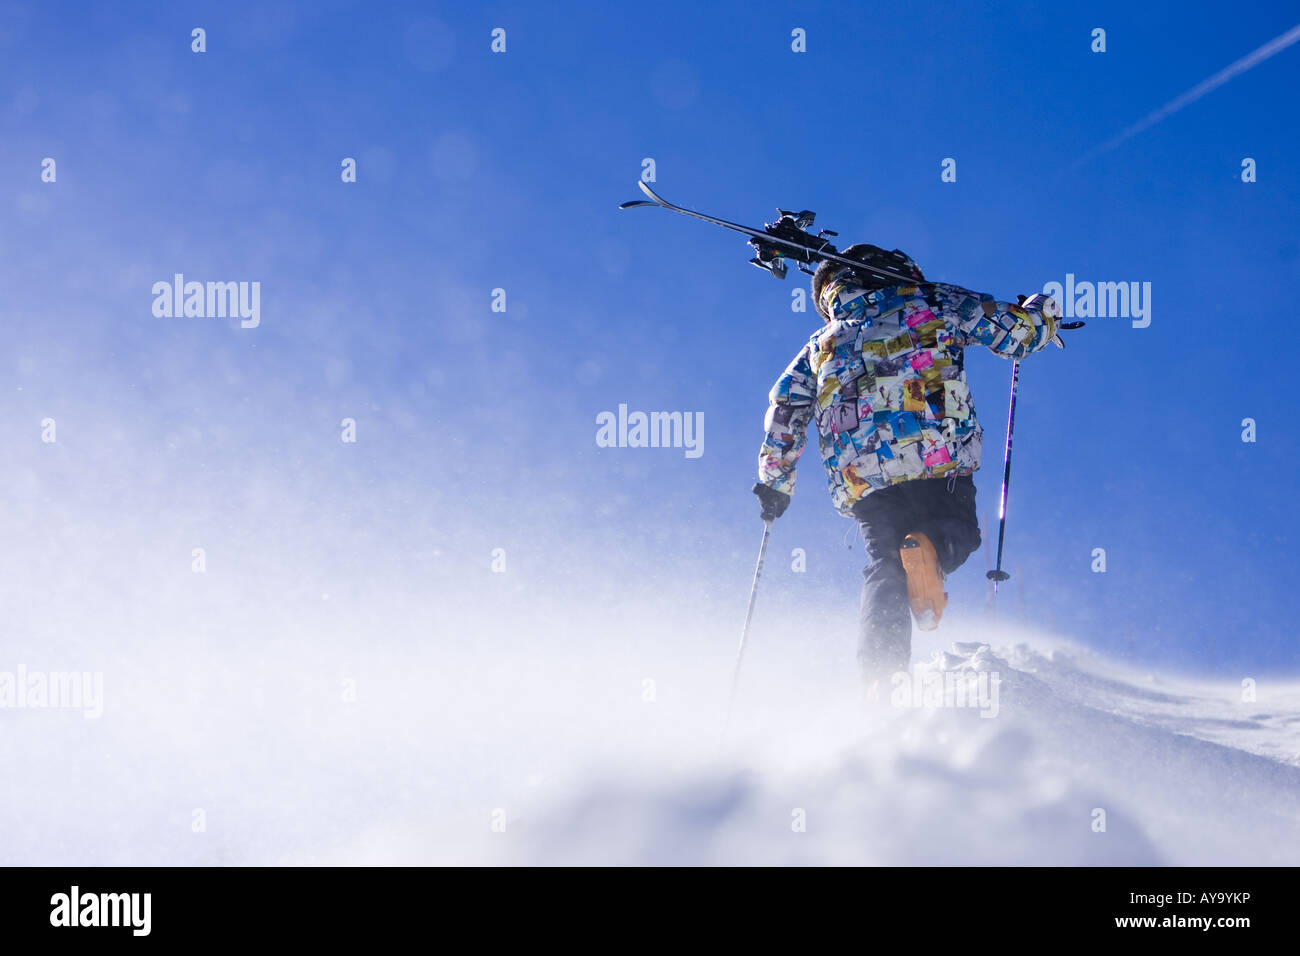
[
  {"x": 634, "y": 203},
  {"x": 650, "y": 192}
]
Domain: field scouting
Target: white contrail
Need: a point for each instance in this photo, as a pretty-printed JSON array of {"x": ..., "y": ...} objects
[{"x": 1276, "y": 45}]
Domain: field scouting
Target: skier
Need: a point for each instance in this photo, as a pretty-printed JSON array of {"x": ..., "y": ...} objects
[{"x": 883, "y": 383}]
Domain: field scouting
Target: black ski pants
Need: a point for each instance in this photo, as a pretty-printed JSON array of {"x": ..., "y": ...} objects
[{"x": 942, "y": 508}]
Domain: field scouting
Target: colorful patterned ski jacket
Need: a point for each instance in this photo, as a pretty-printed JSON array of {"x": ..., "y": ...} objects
[{"x": 884, "y": 384}]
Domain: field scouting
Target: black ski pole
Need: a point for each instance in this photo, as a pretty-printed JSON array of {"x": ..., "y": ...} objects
[
  {"x": 997, "y": 575},
  {"x": 749, "y": 616}
]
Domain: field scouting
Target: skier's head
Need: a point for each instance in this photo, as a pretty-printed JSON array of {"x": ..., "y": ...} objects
[{"x": 828, "y": 269}]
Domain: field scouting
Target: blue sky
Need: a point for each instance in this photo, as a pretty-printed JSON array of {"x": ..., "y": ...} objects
[{"x": 479, "y": 171}]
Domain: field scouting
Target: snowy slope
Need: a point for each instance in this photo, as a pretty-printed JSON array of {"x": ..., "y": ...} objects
[
  {"x": 1185, "y": 774},
  {"x": 523, "y": 727}
]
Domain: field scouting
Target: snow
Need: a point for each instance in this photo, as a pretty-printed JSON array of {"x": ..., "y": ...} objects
[
  {"x": 385, "y": 725},
  {"x": 1185, "y": 774}
]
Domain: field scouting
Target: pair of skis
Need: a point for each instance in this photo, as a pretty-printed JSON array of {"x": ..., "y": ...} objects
[{"x": 786, "y": 238}]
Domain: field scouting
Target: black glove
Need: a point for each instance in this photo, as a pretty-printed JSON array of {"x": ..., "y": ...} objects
[{"x": 772, "y": 502}]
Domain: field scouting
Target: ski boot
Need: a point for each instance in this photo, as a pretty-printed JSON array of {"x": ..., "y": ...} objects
[{"x": 924, "y": 580}]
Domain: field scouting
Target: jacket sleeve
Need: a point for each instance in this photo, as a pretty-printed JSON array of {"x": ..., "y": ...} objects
[
  {"x": 788, "y": 414},
  {"x": 1008, "y": 330}
]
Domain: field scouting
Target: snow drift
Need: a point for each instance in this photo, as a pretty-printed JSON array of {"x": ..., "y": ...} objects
[
  {"x": 1083, "y": 764},
  {"x": 273, "y": 713}
]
